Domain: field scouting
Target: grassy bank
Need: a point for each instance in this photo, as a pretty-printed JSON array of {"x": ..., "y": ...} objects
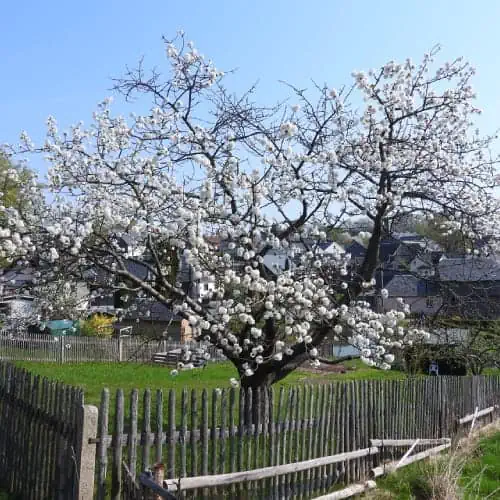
[{"x": 472, "y": 472}]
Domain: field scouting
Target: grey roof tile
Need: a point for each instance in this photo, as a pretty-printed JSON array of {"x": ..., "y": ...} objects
[{"x": 469, "y": 269}]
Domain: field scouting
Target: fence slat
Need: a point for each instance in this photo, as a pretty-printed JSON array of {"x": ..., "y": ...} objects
[
  {"x": 232, "y": 429},
  {"x": 194, "y": 425},
  {"x": 102, "y": 448},
  {"x": 132, "y": 445},
  {"x": 296, "y": 439},
  {"x": 182, "y": 437},
  {"x": 213, "y": 430},
  {"x": 248, "y": 427},
  {"x": 321, "y": 437},
  {"x": 277, "y": 441},
  {"x": 116, "y": 466},
  {"x": 204, "y": 432},
  {"x": 241, "y": 429},
  {"x": 146, "y": 429},
  {"x": 272, "y": 436},
  {"x": 284, "y": 439},
  {"x": 159, "y": 427},
  {"x": 313, "y": 416},
  {"x": 33, "y": 438},
  {"x": 222, "y": 435},
  {"x": 171, "y": 435},
  {"x": 327, "y": 440}
]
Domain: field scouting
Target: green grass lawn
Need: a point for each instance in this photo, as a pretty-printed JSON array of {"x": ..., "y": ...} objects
[
  {"x": 481, "y": 473},
  {"x": 477, "y": 471},
  {"x": 93, "y": 377}
]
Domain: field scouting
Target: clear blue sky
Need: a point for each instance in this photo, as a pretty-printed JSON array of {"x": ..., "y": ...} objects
[{"x": 57, "y": 57}]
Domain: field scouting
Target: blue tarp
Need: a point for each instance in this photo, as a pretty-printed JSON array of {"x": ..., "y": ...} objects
[{"x": 62, "y": 327}]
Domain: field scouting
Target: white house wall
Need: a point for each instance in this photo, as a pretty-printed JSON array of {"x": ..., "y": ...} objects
[
  {"x": 20, "y": 308},
  {"x": 275, "y": 260}
]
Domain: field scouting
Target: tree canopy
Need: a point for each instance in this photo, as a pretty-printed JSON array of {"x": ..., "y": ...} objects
[{"x": 204, "y": 163}]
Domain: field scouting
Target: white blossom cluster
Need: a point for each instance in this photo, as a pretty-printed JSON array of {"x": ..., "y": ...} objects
[{"x": 259, "y": 181}]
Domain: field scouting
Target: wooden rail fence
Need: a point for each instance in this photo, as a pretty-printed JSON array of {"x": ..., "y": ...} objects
[
  {"x": 44, "y": 437},
  {"x": 52, "y": 446},
  {"x": 227, "y": 431}
]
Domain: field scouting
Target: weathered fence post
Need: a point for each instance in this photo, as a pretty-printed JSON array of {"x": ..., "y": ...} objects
[
  {"x": 61, "y": 349},
  {"x": 120, "y": 348},
  {"x": 85, "y": 453}
]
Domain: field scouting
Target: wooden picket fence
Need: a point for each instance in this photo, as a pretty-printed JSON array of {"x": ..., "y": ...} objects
[
  {"x": 196, "y": 433},
  {"x": 52, "y": 446},
  {"x": 71, "y": 349},
  {"x": 43, "y": 451}
]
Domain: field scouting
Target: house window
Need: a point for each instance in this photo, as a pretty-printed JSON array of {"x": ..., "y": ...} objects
[{"x": 429, "y": 302}]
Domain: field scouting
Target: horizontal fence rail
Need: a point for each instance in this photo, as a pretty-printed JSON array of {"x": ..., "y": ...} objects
[{"x": 190, "y": 483}]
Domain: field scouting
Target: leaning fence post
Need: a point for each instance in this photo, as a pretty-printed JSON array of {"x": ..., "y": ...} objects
[
  {"x": 408, "y": 453},
  {"x": 473, "y": 420},
  {"x": 86, "y": 450}
]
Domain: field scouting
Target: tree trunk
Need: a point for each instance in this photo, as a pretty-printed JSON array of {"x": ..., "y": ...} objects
[{"x": 257, "y": 400}]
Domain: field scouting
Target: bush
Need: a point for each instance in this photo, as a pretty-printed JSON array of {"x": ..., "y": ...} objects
[{"x": 98, "y": 325}]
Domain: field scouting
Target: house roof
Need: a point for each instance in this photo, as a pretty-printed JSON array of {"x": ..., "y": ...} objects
[
  {"x": 356, "y": 249},
  {"x": 383, "y": 277},
  {"x": 408, "y": 285},
  {"x": 327, "y": 244},
  {"x": 417, "y": 239},
  {"x": 403, "y": 285},
  {"x": 469, "y": 269},
  {"x": 407, "y": 236},
  {"x": 157, "y": 311},
  {"x": 100, "y": 275},
  {"x": 8, "y": 298},
  {"x": 137, "y": 269},
  {"x": 17, "y": 278},
  {"x": 387, "y": 248}
]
